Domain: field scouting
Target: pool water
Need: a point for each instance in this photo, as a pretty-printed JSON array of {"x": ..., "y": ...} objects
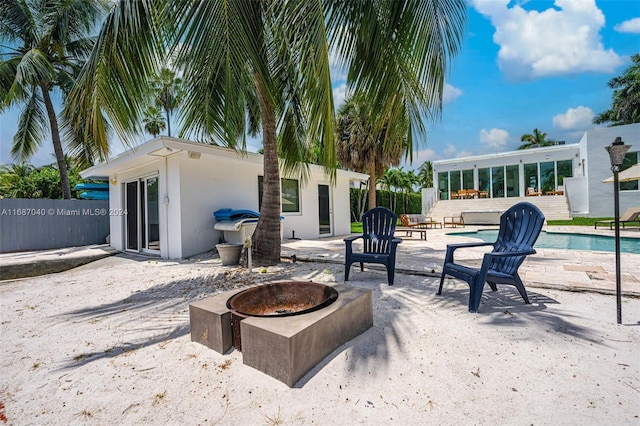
[{"x": 554, "y": 240}]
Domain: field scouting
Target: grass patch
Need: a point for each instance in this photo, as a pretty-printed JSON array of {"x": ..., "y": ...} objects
[
  {"x": 356, "y": 227},
  {"x": 578, "y": 221}
]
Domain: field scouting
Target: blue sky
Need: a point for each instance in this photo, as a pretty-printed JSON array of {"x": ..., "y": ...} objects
[{"x": 523, "y": 65}]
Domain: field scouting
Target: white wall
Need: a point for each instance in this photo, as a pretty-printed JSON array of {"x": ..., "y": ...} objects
[
  {"x": 598, "y": 168},
  {"x": 208, "y": 184},
  {"x": 575, "y": 189},
  {"x": 213, "y": 182},
  {"x": 191, "y": 189},
  {"x": 341, "y": 217}
]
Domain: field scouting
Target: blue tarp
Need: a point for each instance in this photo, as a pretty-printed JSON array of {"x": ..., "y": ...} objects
[{"x": 233, "y": 214}]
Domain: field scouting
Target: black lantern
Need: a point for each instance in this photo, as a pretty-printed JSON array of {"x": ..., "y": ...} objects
[{"x": 617, "y": 151}]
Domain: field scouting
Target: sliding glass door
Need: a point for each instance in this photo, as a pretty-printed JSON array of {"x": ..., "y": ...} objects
[{"x": 142, "y": 221}]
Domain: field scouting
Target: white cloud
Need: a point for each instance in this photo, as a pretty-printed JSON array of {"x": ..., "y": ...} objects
[
  {"x": 424, "y": 155},
  {"x": 575, "y": 118},
  {"x": 630, "y": 26},
  {"x": 449, "y": 151},
  {"x": 339, "y": 95},
  {"x": 557, "y": 41},
  {"x": 495, "y": 138},
  {"x": 450, "y": 93}
]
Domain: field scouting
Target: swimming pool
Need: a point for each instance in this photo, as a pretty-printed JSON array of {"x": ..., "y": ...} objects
[{"x": 555, "y": 240}]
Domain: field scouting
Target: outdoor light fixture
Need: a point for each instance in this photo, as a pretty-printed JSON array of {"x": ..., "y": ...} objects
[{"x": 616, "y": 151}]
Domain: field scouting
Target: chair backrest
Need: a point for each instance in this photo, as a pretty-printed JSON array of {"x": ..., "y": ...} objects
[
  {"x": 378, "y": 226},
  {"x": 520, "y": 227},
  {"x": 404, "y": 220},
  {"x": 630, "y": 214}
]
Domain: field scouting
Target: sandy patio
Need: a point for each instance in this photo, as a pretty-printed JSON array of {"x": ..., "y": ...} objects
[{"x": 109, "y": 343}]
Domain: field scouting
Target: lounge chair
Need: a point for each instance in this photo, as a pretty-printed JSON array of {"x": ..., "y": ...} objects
[
  {"x": 531, "y": 192},
  {"x": 454, "y": 221},
  {"x": 378, "y": 226},
  {"x": 519, "y": 230},
  {"x": 630, "y": 215},
  {"x": 408, "y": 226}
]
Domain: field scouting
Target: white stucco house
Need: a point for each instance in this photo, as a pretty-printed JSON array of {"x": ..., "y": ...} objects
[
  {"x": 576, "y": 169},
  {"x": 163, "y": 193}
]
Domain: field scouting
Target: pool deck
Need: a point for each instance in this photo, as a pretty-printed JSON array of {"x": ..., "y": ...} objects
[{"x": 570, "y": 270}]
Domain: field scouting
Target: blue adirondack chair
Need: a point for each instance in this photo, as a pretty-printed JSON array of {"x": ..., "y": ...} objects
[
  {"x": 378, "y": 226},
  {"x": 519, "y": 230}
]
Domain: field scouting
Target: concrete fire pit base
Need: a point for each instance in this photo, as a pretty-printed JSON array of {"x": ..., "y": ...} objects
[{"x": 285, "y": 348}]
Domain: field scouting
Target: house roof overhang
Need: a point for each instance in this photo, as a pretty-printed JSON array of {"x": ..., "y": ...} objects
[{"x": 164, "y": 146}]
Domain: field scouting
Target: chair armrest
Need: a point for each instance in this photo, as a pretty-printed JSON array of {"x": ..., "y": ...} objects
[
  {"x": 511, "y": 253},
  {"x": 453, "y": 247},
  {"x": 352, "y": 238},
  {"x": 396, "y": 241}
]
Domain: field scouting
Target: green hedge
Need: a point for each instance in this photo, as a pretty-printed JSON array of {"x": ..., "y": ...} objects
[{"x": 404, "y": 203}]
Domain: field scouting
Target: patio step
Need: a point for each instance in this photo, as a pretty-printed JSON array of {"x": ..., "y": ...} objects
[{"x": 554, "y": 207}]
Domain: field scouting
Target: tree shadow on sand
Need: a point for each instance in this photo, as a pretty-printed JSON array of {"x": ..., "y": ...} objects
[
  {"x": 153, "y": 315},
  {"x": 396, "y": 309}
]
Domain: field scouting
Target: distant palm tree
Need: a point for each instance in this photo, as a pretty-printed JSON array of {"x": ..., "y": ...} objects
[
  {"x": 48, "y": 41},
  {"x": 11, "y": 175},
  {"x": 425, "y": 175},
  {"x": 625, "y": 108},
  {"x": 168, "y": 92},
  {"x": 360, "y": 148},
  {"x": 535, "y": 139},
  {"x": 153, "y": 121}
]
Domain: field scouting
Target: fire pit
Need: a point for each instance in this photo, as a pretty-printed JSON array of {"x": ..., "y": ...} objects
[
  {"x": 278, "y": 299},
  {"x": 294, "y": 334}
]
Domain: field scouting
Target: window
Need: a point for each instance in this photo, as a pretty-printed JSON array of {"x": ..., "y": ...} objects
[
  {"x": 513, "y": 181},
  {"x": 455, "y": 181},
  {"x": 497, "y": 181},
  {"x": 531, "y": 176},
  {"x": 565, "y": 169},
  {"x": 443, "y": 185},
  {"x": 630, "y": 159},
  {"x": 290, "y": 195},
  {"x": 483, "y": 179},
  {"x": 547, "y": 176},
  {"x": 467, "y": 179}
]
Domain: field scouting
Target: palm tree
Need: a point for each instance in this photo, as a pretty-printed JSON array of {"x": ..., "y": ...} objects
[
  {"x": 153, "y": 121},
  {"x": 425, "y": 175},
  {"x": 47, "y": 41},
  {"x": 625, "y": 108},
  {"x": 360, "y": 148},
  {"x": 534, "y": 140},
  {"x": 244, "y": 65},
  {"x": 11, "y": 176},
  {"x": 167, "y": 89}
]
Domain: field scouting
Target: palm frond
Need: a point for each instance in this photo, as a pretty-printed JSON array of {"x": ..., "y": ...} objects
[{"x": 31, "y": 128}]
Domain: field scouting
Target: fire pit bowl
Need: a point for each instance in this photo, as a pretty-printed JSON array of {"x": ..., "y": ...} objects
[{"x": 282, "y": 299}]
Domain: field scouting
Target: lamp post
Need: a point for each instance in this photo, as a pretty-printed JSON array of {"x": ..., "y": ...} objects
[{"x": 616, "y": 151}]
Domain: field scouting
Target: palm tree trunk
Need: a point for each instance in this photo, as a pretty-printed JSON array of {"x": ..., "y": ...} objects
[
  {"x": 168, "y": 123},
  {"x": 372, "y": 184},
  {"x": 57, "y": 144},
  {"x": 266, "y": 238}
]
